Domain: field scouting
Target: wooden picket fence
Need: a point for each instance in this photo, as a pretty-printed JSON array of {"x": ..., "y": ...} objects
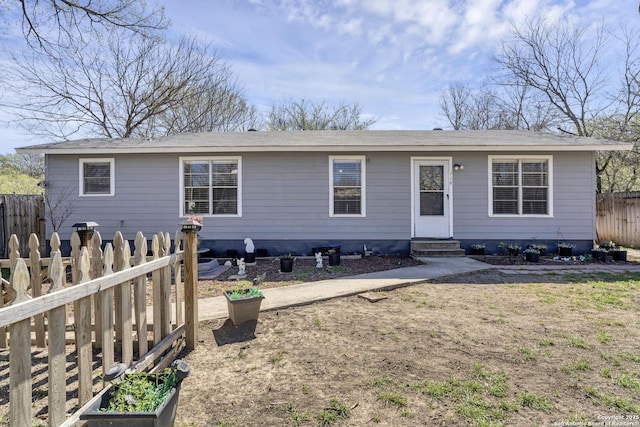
[
  {"x": 107, "y": 307},
  {"x": 618, "y": 218}
]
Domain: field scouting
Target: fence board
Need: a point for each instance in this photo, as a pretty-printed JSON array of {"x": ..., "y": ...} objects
[
  {"x": 22, "y": 215},
  {"x": 20, "y": 352},
  {"x": 139, "y": 294},
  {"x": 57, "y": 357},
  {"x": 106, "y": 313},
  {"x": 83, "y": 333},
  {"x": 36, "y": 287}
]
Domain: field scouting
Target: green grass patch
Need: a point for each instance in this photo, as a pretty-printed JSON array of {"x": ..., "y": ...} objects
[
  {"x": 578, "y": 342},
  {"x": 336, "y": 411},
  {"x": 394, "y": 399},
  {"x": 378, "y": 381},
  {"x": 629, "y": 382},
  {"x": 297, "y": 417},
  {"x": 533, "y": 401}
]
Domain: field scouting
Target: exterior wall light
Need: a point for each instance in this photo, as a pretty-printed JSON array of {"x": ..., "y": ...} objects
[{"x": 457, "y": 167}]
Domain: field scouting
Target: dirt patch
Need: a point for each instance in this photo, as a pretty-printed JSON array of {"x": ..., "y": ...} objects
[{"x": 481, "y": 349}]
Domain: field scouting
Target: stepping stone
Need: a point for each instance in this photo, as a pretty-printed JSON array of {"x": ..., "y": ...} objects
[{"x": 373, "y": 296}]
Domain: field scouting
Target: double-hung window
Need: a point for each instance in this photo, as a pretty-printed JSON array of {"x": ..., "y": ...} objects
[
  {"x": 347, "y": 185},
  {"x": 97, "y": 177},
  {"x": 521, "y": 185},
  {"x": 211, "y": 186}
]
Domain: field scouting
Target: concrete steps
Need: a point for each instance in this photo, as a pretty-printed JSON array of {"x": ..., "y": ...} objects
[{"x": 435, "y": 247}]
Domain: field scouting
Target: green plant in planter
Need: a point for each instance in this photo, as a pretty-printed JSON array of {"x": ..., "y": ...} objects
[
  {"x": 142, "y": 391},
  {"x": 607, "y": 244},
  {"x": 532, "y": 254},
  {"x": 477, "y": 248},
  {"x": 286, "y": 256},
  {"x": 243, "y": 292},
  {"x": 540, "y": 248},
  {"x": 510, "y": 249}
]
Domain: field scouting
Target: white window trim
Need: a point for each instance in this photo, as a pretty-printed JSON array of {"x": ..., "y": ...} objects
[
  {"x": 363, "y": 186},
  {"x": 238, "y": 159},
  {"x": 548, "y": 158},
  {"x": 112, "y": 176}
]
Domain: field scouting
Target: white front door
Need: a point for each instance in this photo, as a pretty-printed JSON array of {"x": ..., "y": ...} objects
[{"x": 432, "y": 201}]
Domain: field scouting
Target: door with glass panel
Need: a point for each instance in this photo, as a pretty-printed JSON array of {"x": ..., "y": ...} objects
[{"x": 431, "y": 198}]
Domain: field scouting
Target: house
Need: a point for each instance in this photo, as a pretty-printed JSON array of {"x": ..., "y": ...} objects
[{"x": 293, "y": 191}]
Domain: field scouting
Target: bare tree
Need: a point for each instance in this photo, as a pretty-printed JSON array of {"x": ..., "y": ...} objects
[
  {"x": 59, "y": 205},
  {"x": 562, "y": 63},
  {"x": 55, "y": 22},
  {"x": 126, "y": 86},
  {"x": 307, "y": 115},
  {"x": 455, "y": 103}
]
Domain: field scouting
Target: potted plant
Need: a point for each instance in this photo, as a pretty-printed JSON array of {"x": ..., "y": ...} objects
[
  {"x": 243, "y": 303},
  {"x": 286, "y": 263},
  {"x": 565, "y": 249},
  {"x": 607, "y": 245},
  {"x": 599, "y": 254},
  {"x": 532, "y": 255},
  {"x": 510, "y": 249},
  {"x": 334, "y": 257},
  {"x": 478, "y": 248},
  {"x": 618, "y": 254},
  {"x": 138, "y": 398},
  {"x": 542, "y": 249}
]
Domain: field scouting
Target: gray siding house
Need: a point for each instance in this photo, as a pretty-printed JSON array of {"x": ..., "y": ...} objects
[{"x": 293, "y": 191}]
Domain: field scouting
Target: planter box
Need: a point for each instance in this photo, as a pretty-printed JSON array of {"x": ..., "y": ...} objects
[
  {"x": 477, "y": 251},
  {"x": 244, "y": 309},
  {"x": 164, "y": 416}
]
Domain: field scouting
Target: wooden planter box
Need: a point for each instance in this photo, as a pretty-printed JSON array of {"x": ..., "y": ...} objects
[
  {"x": 244, "y": 309},
  {"x": 164, "y": 416}
]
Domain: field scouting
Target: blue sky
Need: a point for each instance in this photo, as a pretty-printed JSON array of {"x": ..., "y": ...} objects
[{"x": 394, "y": 57}]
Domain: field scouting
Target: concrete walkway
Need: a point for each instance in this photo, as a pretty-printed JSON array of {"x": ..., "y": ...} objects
[{"x": 307, "y": 293}]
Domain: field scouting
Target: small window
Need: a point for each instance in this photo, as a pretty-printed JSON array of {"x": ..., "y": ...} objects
[
  {"x": 211, "y": 186},
  {"x": 347, "y": 182},
  {"x": 97, "y": 177},
  {"x": 520, "y": 186}
]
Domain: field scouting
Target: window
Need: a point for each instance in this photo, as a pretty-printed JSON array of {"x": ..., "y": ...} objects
[
  {"x": 520, "y": 186},
  {"x": 97, "y": 177},
  {"x": 211, "y": 186},
  {"x": 347, "y": 185}
]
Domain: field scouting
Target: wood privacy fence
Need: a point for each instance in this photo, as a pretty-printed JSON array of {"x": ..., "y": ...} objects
[
  {"x": 20, "y": 215},
  {"x": 106, "y": 309},
  {"x": 618, "y": 218}
]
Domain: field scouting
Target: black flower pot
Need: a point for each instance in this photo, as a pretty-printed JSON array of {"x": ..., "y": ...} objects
[
  {"x": 334, "y": 259},
  {"x": 286, "y": 265},
  {"x": 531, "y": 257},
  {"x": 619, "y": 255},
  {"x": 477, "y": 251},
  {"x": 250, "y": 257},
  {"x": 599, "y": 255},
  {"x": 564, "y": 252}
]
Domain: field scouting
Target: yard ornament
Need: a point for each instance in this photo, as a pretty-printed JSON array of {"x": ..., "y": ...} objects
[
  {"x": 318, "y": 259},
  {"x": 241, "y": 267},
  {"x": 249, "y": 246}
]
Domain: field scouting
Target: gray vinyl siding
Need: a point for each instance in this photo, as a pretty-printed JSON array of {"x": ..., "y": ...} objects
[
  {"x": 285, "y": 196},
  {"x": 573, "y": 202}
]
